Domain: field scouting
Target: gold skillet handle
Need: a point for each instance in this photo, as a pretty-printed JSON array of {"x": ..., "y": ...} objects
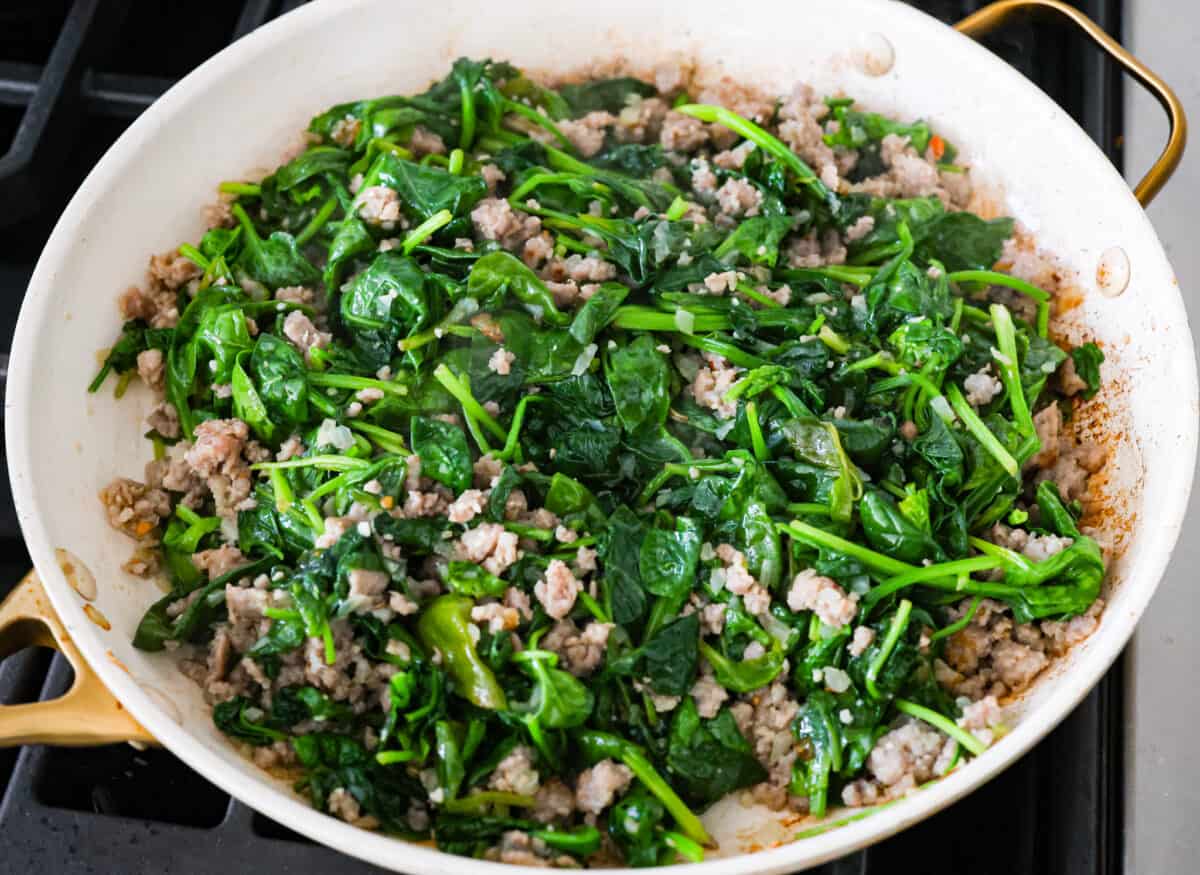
[
  {"x": 995, "y": 15},
  {"x": 87, "y": 714}
]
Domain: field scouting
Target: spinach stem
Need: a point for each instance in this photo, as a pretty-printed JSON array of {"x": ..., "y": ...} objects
[
  {"x": 757, "y": 442},
  {"x": 594, "y": 608},
  {"x": 316, "y": 522},
  {"x": 957, "y": 625},
  {"x": 822, "y": 828},
  {"x": 323, "y": 462},
  {"x": 667, "y": 438},
  {"x": 425, "y": 230},
  {"x": 992, "y": 278},
  {"x": 726, "y": 350},
  {"x": 466, "y": 133},
  {"x": 882, "y": 360},
  {"x": 511, "y": 442},
  {"x": 517, "y": 198},
  {"x": 476, "y": 435},
  {"x": 856, "y": 276},
  {"x": 282, "y": 489},
  {"x": 956, "y": 318},
  {"x": 347, "y": 381},
  {"x": 187, "y": 515},
  {"x": 392, "y": 757},
  {"x": 531, "y": 532},
  {"x": 637, "y": 318},
  {"x": 903, "y": 379},
  {"x": 927, "y": 574},
  {"x": 877, "y": 253},
  {"x": 560, "y": 160},
  {"x": 788, "y": 399},
  {"x": 656, "y": 483},
  {"x": 808, "y": 507},
  {"x": 895, "y": 630},
  {"x": 330, "y": 650},
  {"x": 1008, "y": 557},
  {"x": 1043, "y": 319},
  {"x": 954, "y": 760},
  {"x": 318, "y": 221},
  {"x": 942, "y": 722},
  {"x": 540, "y": 120},
  {"x": 345, "y": 479},
  {"x": 194, "y": 255},
  {"x": 499, "y": 140},
  {"x": 691, "y": 851},
  {"x": 976, "y": 315},
  {"x": 378, "y": 144},
  {"x": 769, "y": 144},
  {"x": 387, "y": 440},
  {"x": 569, "y": 243},
  {"x": 978, "y": 428},
  {"x": 455, "y": 387},
  {"x": 462, "y": 310},
  {"x": 477, "y": 802},
  {"x": 877, "y": 562},
  {"x": 676, "y": 210},
  {"x": 753, "y": 294},
  {"x": 1008, "y": 365},
  {"x": 618, "y": 748},
  {"x": 833, "y": 340},
  {"x": 246, "y": 189},
  {"x": 123, "y": 382},
  {"x": 326, "y": 407}
]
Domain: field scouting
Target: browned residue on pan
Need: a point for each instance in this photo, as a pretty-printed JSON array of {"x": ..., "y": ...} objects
[
  {"x": 78, "y": 575},
  {"x": 112, "y": 657},
  {"x": 93, "y": 614},
  {"x": 1068, "y": 299}
]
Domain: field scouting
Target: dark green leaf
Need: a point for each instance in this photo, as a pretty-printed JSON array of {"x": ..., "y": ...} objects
[
  {"x": 668, "y": 660},
  {"x": 499, "y": 273},
  {"x": 890, "y": 532},
  {"x": 442, "y": 448},
  {"x": 710, "y": 758},
  {"x": 426, "y": 190},
  {"x": 963, "y": 241},
  {"x": 637, "y": 376},
  {"x": 1087, "y": 359},
  {"x": 620, "y": 549},
  {"x": 469, "y": 579},
  {"x": 608, "y": 95},
  {"x": 597, "y": 312},
  {"x": 667, "y": 560}
]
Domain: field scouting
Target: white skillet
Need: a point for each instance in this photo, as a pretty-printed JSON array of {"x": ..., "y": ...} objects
[{"x": 242, "y": 108}]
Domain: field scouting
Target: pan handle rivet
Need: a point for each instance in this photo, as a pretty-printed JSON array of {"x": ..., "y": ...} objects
[
  {"x": 875, "y": 54},
  {"x": 1112, "y": 272}
]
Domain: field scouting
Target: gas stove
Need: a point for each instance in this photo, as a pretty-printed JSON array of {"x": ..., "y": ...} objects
[{"x": 73, "y": 75}]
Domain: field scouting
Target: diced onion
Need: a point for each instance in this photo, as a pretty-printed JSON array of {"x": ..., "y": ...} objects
[{"x": 330, "y": 434}]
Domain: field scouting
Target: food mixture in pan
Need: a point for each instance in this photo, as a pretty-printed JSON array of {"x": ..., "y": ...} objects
[{"x": 534, "y": 467}]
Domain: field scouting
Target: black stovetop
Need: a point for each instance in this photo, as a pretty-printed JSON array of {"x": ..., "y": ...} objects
[{"x": 72, "y": 77}]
